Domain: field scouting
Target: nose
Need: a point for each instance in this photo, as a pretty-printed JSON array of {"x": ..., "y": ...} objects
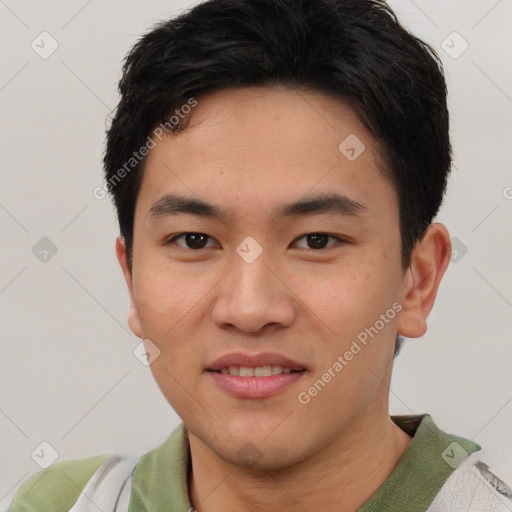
[{"x": 253, "y": 296}]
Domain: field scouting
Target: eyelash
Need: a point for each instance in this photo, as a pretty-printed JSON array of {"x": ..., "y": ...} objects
[{"x": 179, "y": 235}]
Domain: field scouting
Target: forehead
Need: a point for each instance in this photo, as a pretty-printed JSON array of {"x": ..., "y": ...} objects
[{"x": 255, "y": 146}]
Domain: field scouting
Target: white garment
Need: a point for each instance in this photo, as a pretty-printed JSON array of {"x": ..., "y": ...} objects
[
  {"x": 473, "y": 487},
  {"x": 109, "y": 487}
]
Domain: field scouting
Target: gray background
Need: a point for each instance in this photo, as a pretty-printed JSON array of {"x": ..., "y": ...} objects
[{"x": 68, "y": 374}]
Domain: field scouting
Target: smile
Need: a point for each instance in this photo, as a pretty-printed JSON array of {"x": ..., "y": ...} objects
[{"x": 259, "y": 371}]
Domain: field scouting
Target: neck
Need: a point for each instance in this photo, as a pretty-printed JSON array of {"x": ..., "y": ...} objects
[{"x": 347, "y": 473}]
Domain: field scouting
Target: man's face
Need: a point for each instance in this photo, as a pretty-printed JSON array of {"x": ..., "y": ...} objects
[{"x": 300, "y": 303}]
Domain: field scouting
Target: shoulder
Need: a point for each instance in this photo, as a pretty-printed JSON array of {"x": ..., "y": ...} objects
[
  {"x": 474, "y": 486},
  {"x": 57, "y": 487}
]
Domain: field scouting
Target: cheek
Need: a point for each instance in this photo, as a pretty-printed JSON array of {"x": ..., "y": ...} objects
[
  {"x": 164, "y": 293},
  {"x": 160, "y": 301},
  {"x": 351, "y": 297},
  {"x": 172, "y": 302}
]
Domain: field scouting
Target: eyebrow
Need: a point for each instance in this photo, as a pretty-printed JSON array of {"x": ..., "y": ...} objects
[{"x": 172, "y": 204}]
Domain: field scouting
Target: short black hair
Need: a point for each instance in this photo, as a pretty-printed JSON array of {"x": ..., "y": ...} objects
[{"x": 354, "y": 50}]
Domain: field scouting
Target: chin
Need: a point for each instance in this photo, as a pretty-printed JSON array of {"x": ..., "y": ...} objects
[
  {"x": 259, "y": 450},
  {"x": 253, "y": 458}
]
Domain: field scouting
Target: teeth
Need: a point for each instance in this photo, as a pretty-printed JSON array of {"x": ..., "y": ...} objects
[
  {"x": 246, "y": 372},
  {"x": 260, "y": 371}
]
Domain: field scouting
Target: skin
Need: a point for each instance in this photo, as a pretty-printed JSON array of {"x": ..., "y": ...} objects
[{"x": 248, "y": 150}]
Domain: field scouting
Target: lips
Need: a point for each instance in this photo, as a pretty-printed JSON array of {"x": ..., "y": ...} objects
[{"x": 255, "y": 376}]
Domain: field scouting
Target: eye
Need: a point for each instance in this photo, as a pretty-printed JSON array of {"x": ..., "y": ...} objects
[
  {"x": 318, "y": 241},
  {"x": 192, "y": 240},
  {"x": 197, "y": 241}
]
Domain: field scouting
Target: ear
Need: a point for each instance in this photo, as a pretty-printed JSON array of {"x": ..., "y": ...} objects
[
  {"x": 133, "y": 315},
  {"x": 429, "y": 261}
]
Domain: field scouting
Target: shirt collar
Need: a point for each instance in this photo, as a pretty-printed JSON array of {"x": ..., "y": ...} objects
[{"x": 160, "y": 479}]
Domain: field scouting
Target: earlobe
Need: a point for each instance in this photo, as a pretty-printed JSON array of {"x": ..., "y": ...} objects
[
  {"x": 429, "y": 262},
  {"x": 133, "y": 316}
]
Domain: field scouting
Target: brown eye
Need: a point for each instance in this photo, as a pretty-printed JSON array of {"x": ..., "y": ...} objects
[
  {"x": 317, "y": 241},
  {"x": 193, "y": 241}
]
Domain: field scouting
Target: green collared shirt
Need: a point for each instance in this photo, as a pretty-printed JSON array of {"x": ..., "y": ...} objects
[{"x": 160, "y": 479}]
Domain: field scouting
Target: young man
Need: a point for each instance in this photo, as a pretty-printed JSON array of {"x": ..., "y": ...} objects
[{"x": 276, "y": 166}]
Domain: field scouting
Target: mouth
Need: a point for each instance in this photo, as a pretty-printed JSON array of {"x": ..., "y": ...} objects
[
  {"x": 259, "y": 371},
  {"x": 255, "y": 376}
]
